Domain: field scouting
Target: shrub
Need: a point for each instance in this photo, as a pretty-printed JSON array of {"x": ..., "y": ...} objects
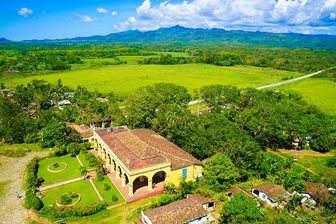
[
  {"x": 32, "y": 201},
  {"x": 65, "y": 199},
  {"x": 30, "y": 138},
  {"x": 71, "y": 212},
  {"x": 107, "y": 187},
  {"x": 114, "y": 198},
  {"x": 83, "y": 170},
  {"x": 100, "y": 177},
  {"x": 332, "y": 162}
]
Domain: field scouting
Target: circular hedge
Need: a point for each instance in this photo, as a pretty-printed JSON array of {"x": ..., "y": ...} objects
[
  {"x": 68, "y": 199},
  {"x": 57, "y": 167}
]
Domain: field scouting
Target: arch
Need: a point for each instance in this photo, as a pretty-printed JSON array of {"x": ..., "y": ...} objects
[
  {"x": 119, "y": 171},
  {"x": 114, "y": 165},
  {"x": 126, "y": 179},
  {"x": 140, "y": 182},
  {"x": 159, "y": 177}
]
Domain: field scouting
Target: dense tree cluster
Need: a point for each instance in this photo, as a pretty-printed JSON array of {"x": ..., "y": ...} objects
[
  {"x": 32, "y": 114},
  {"x": 166, "y": 59},
  {"x": 25, "y": 60},
  {"x": 300, "y": 60}
]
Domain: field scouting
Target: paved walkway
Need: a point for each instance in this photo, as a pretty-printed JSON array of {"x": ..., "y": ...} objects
[{"x": 62, "y": 183}]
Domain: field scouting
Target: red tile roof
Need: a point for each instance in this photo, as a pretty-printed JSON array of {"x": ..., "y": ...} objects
[
  {"x": 140, "y": 148},
  {"x": 182, "y": 211},
  {"x": 317, "y": 191},
  {"x": 83, "y": 130}
]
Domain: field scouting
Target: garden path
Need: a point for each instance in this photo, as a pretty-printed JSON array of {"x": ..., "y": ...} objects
[
  {"x": 62, "y": 183},
  {"x": 95, "y": 188}
]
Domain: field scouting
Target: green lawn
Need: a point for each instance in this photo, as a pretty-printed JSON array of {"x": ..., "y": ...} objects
[
  {"x": 85, "y": 162},
  {"x": 125, "y": 79},
  {"x": 19, "y": 150},
  {"x": 107, "y": 194},
  {"x": 317, "y": 164},
  {"x": 128, "y": 213},
  {"x": 83, "y": 187},
  {"x": 315, "y": 161},
  {"x": 319, "y": 92},
  {"x": 72, "y": 170}
]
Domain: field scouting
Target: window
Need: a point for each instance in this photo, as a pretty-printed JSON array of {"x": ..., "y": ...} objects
[{"x": 184, "y": 173}]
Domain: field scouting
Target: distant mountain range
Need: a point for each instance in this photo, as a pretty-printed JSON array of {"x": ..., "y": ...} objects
[
  {"x": 183, "y": 35},
  {"x": 2, "y": 39}
]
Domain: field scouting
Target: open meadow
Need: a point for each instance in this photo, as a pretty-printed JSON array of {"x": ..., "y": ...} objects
[
  {"x": 319, "y": 92},
  {"x": 125, "y": 79}
]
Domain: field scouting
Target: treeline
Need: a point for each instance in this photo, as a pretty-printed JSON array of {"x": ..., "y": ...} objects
[
  {"x": 299, "y": 60},
  {"x": 35, "y": 60},
  {"x": 166, "y": 59},
  {"x": 31, "y": 114}
]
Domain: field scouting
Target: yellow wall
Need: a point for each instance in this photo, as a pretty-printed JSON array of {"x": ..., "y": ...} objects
[{"x": 176, "y": 175}]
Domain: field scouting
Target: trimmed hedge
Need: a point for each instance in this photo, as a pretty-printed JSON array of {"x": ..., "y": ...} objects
[
  {"x": 32, "y": 201},
  {"x": 32, "y": 182},
  {"x": 72, "y": 212},
  {"x": 31, "y": 179}
]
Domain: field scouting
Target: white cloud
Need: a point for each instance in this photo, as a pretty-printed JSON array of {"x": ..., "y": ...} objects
[
  {"x": 114, "y": 13},
  {"x": 84, "y": 18},
  {"x": 102, "y": 10},
  {"x": 25, "y": 12},
  {"x": 332, "y": 15},
  {"x": 271, "y": 15}
]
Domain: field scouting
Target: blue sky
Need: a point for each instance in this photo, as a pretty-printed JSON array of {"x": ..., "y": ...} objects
[{"x": 40, "y": 19}]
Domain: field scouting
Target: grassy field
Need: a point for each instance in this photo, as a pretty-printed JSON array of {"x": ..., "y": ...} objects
[
  {"x": 107, "y": 194},
  {"x": 83, "y": 187},
  {"x": 123, "y": 214},
  {"x": 315, "y": 161},
  {"x": 125, "y": 79},
  {"x": 319, "y": 92},
  {"x": 19, "y": 150},
  {"x": 72, "y": 170}
]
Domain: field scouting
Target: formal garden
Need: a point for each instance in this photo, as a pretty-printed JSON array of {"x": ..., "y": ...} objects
[{"x": 69, "y": 186}]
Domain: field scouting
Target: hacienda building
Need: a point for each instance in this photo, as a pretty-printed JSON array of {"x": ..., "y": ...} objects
[{"x": 141, "y": 158}]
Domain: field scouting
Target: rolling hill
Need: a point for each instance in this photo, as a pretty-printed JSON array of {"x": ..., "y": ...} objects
[{"x": 183, "y": 35}]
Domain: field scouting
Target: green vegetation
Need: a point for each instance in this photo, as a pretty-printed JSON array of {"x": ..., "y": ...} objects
[
  {"x": 319, "y": 92},
  {"x": 241, "y": 209},
  {"x": 125, "y": 214},
  {"x": 72, "y": 170},
  {"x": 18, "y": 150},
  {"x": 314, "y": 161},
  {"x": 32, "y": 113},
  {"x": 85, "y": 158},
  {"x": 83, "y": 187},
  {"x": 125, "y": 79},
  {"x": 108, "y": 190},
  {"x": 68, "y": 198}
]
